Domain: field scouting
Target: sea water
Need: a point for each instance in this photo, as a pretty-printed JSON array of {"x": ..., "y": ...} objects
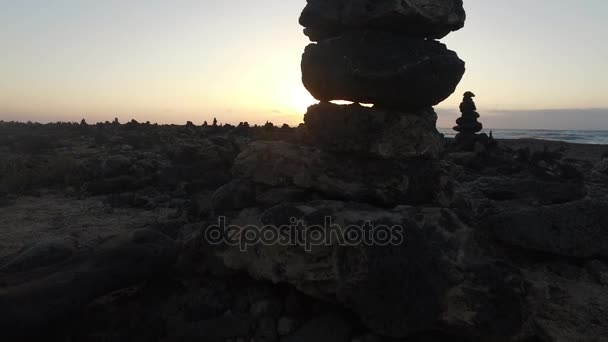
[{"x": 571, "y": 136}]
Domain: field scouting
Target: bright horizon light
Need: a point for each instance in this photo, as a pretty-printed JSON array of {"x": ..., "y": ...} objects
[{"x": 173, "y": 61}]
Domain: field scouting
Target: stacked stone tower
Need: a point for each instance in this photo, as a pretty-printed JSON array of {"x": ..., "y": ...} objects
[
  {"x": 353, "y": 162},
  {"x": 382, "y": 53},
  {"x": 467, "y": 125}
]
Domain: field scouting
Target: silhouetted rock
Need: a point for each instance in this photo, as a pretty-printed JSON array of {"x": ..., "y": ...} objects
[
  {"x": 467, "y": 125},
  {"x": 328, "y": 328},
  {"x": 117, "y": 165},
  {"x": 31, "y": 303},
  {"x": 373, "y": 132},
  {"x": 40, "y": 254},
  {"x": 235, "y": 195},
  {"x": 601, "y": 167},
  {"x": 575, "y": 229},
  {"x": 381, "y": 68},
  {"x": 384, "y": 182},
  {"x": 409, "y": 285},
  {"x": 415, "y": 18}
]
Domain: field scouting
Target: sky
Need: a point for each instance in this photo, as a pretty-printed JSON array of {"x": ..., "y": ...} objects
[{"x": 532, "y": 64}]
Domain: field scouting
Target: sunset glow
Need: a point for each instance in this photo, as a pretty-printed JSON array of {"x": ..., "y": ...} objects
[{"x": 238, "y": 60}]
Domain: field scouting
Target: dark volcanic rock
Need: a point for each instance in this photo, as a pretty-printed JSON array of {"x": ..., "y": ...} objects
[
  {"x": 217, "y": 329},
  {"x": 414, "y": 18},
  {"x": 381, "y": 68},
  {"x": 467, "y": 125},
  {"x": 408, "y": 285},
  {"x": 40, "y": 254},
  {"x": 237, "y": 194},
  {"x": 374, "y": 132},
  {"x": 31, "y": 303},
  {"x": 576, "y": 229},
  {"x": 328, "y": 328},
  {"x": 384, "y": 182}
]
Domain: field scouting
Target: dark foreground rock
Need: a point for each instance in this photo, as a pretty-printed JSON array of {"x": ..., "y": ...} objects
[
  {"x": 415, "y": 18},
  {"x": 381, "y": 68},
  {"x": 328, "y": 328},
  {"x": 386, "y": 134},
  {"x": 509, "y": 248},
  {"x": 384, "y": 182},
  {"x": 419, "y": 279},
  {"x": 576, "y": 229},
  {"x": 34, "y": 300}
]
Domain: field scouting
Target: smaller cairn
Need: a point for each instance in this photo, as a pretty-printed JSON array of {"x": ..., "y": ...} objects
[{"x": 467, "y": 125}]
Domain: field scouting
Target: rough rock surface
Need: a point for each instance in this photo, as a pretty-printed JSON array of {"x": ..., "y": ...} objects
[
  {"x": 384, "y": 182},
  {"x": 328, "y": 328},
  {"x": 70, "y": 261},
  {"x": 36, "y": 300},
  {"x": 385, "y": 69},
  {"x": 416, "y": 282},
  {"x": 575, "y": 229},
  {"x": 374, "y": 132},
  {"x": 415, "y": 18}
]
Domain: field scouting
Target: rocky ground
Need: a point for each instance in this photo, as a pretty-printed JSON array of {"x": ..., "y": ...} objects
[{"x": 101, "y": 236}]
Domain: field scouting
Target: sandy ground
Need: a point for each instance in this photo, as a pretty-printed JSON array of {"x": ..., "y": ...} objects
[{"x": 87, "y": 221}]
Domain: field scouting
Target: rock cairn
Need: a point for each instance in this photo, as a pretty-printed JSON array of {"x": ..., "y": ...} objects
[
  {"x": 467, "y": 125},
  {"x": 380, "y": 53}
]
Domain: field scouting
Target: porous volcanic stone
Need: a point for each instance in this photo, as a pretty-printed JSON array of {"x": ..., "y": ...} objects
[
  {"x": 385, "y": 69},
  {"x": 415, "y": 18},
  {"x": 373, "y": 132}
]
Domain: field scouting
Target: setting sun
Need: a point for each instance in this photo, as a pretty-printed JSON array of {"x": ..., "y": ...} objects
[{"x": 301, "y": 99}]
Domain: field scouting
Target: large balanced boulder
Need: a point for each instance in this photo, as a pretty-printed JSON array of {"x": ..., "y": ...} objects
[
  {"x": 415, "y": 18},
  {"x": 385, "y": 69},
  {"x": 374, "y": 132}
]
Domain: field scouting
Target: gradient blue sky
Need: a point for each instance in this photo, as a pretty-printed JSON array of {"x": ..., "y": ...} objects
[{"x": 537, "y": 64}]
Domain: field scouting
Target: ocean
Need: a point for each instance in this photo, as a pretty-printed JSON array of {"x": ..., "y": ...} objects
[{"x": 571, "y": 136}]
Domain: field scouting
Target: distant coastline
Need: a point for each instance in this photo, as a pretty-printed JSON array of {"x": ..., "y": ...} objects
[{"x": 570, "y": 136}]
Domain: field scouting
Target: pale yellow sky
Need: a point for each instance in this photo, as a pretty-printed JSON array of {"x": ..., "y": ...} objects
[{"x": 173, "y": 61}]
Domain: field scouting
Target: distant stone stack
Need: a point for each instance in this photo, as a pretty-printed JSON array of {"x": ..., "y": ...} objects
[
  {"x": 379, "y": 52},
  {"x": 467, "y": 125}
]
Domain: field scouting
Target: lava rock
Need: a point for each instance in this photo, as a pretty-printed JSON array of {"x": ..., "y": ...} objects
[
  {"x": 217, "y": 329},
  {"x": 575, "y": 229},
  {"x": 237, "y": 194},
  {"x": 376, "y": 181},
  {"x": 327, "y": 328},
  {"x": 395, "y": 288},
  {"x": 286, "y": 325},
  {"x": 467, "y": 126},
  {"x": 116, "y": 165},
  {"x": 40, "y": 254},
  {"x": 374, "y": 132},
  {"x": 415, "y": 18},
  {"x": 388, "y": 70},
  {"x": 31, "y": 304}
]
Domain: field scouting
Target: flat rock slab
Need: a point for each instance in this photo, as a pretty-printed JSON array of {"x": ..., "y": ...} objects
[
  {"x": 388, "y": 70},
  {"x": 415, "y": 18},
  {"x": 374, "y": 132}
]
